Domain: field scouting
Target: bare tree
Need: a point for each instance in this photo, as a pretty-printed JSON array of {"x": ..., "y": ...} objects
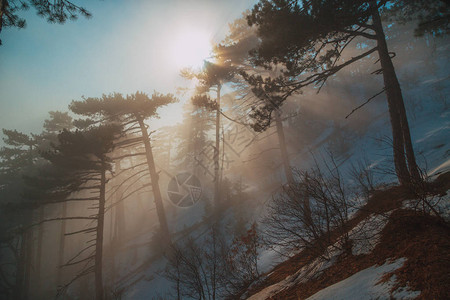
[
  {"x": 195, "y": 267},
  {"x": 293, "y": 225}
]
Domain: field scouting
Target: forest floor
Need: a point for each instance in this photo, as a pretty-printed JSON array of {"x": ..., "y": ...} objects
[{"x": 421, "y": 242}]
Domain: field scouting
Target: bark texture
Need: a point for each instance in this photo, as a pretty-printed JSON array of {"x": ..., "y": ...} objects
[{"x": 154, "y": 177}]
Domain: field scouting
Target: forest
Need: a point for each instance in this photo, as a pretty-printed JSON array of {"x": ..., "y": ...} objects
[{"x": 305, "y": 154}]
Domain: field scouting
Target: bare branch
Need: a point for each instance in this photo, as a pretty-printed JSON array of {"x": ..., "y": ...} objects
[{"x": 367, "y": 101}]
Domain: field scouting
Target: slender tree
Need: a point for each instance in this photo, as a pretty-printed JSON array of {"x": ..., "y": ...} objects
[
  {"x": 131, "y": 112},
  {"x": 79, "y": 162},
  {"x": 192, "y": 137},
  {"x": 235, "y": 50},
  {"x": 212, "y": 77},
  {"x": 17, "y": 157},
  {"x": 55, "y": 124}
]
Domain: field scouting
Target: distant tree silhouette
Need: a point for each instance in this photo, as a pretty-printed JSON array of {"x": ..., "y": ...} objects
[
  {"x": 54, "y": 125},
  {"x": 212, "y": 77},
  {"x": 79, "y": 162},
  {"x": 57, "y": 122},
  {"x": 192, "y": 135},
  {"x": 432, "y": 17},
  {"x": 235, "y": 50},
  {"x": 309, "y": 39},
  {"x": 17, "y": 158}
]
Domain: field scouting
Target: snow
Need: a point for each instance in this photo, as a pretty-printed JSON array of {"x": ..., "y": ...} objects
[
  {"x": 312, "y": 270},
  {"x": 152, "y": 284},
  {"x": 440, "y": 204},
  {"x": 430, "y": 133},
  {"x": 444, "y": 166},
  {"x": 366, "y": 235},
  {"x": 365, "y": 285},
  {"x": 268, "y": 258}
]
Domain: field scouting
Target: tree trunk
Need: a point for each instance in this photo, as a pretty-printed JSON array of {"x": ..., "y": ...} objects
[
  {"x": 412, "y": 164},
  {"x": 99, "y": 237},
  {"x": 169, "y": 147},
  {"x": 118, "y": 231},
  {"x": 154, "y": 177},
  {"x": 216, "y": 151},
  {"x": 21, "y": 268},
  {"x": 28, "y": 264},
  {"x": 286, "y": 165},
  {"x": 400, "y": 129},
  {"x": 119, "y": 212},
  {"x": 40, "y": 237},
  {"x": 283, "y": 148},
  {"x": 62, "y": 244}
]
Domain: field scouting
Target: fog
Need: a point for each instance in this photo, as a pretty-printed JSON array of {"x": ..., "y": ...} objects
[{"x": 50, "y": 232}]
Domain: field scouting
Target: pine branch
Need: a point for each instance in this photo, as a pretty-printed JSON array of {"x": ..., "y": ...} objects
[
  {"x": 130, "y": 168},
  {"x": 70, "y": 261},
  {"x": 129, "y": 155},
  {"x": 79, "y": 275},
  {"x": 367, "y": 101},
  {"x": 127, "y": 196},
  {"x": 318, "y": 77},
  {"x": 59, "y": 219},
  {"x": 128, "y": 178},
  {"x": 81, "y": 231}
]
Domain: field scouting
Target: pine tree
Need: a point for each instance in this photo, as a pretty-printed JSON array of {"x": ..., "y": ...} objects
[
  {"x": 79, "y": 162},
  {"x": 309, "y": 39},
  {"x": 212, "y": 77},
  {"x": 235, "y": 50},
  {"x": 131, "y": 112},
  {"x": 55, "y": 124},
  {"x": 17, "y": 158},
  {"x": 58, "y": 11}
]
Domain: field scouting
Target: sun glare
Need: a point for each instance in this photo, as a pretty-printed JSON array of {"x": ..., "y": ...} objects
[{"x": 190, "y": 47}]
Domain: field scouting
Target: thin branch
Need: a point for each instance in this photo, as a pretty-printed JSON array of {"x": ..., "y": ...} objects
[
  {"x": 128, "y": 178},
  {"x": 234, "y": 120},
  {"x": 128, "y": 155},
  {"x": 317, "y": 77},
  {"x": 59, "y": 219},
  {"x": 81, "y": 231},
  {"x": 79, "y": 261},
  {"x": 368, "y": 100},
  {"x": 127, "y": 196},
  {"x": 78, "y": 254},
  {"x": 361, "y": 33},
  {"x": 130, "y": 168},
  {"x": 79, "y": 275}
]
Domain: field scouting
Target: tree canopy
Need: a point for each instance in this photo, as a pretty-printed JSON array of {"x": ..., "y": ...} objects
[{"x": 58, "y": 11}]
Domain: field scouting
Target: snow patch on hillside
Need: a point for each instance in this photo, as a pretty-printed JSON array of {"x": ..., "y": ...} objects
[
  {"x": 440, "y": 204},
  {"x": 312, "y": 270},
  {"x": 365, "y": 285},
  {"x": 366, "y": 235}
]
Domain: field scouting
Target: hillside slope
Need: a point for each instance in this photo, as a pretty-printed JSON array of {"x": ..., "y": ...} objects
[{"x": 395, "y": 252}]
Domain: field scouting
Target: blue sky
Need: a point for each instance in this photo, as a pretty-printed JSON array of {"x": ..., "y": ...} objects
[{"x": 122, "y": 48}]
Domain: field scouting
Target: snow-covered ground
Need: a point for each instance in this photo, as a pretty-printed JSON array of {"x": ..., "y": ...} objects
[
  {"x": 431, "y": 142},
  {"x": 366, "y": 234},
  {"x": 366, "y": 285},
  {"x": 311, "y": 270},
  {"x": 431, "y": 137}
]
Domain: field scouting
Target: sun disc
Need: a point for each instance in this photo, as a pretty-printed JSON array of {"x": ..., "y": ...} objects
[{"x": 190, "y": 47}]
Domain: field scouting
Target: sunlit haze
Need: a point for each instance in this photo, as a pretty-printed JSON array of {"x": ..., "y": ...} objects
[
  {"x": 224, "y": 149},
  {"x": 189, "y": 47},
  {"x": 124, "y": 47}
]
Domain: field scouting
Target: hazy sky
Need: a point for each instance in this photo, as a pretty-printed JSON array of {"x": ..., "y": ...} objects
[{"x": 125, "y": 47}]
